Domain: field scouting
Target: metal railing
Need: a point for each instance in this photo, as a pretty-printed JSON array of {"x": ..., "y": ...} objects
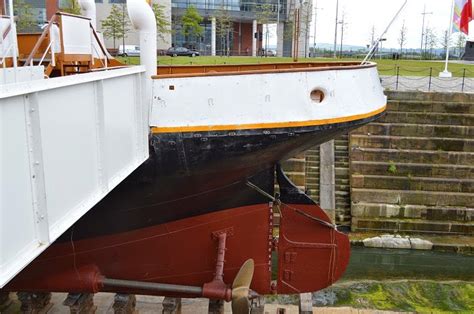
[
  {"x": 426, "y": 79},
  {"x": 9, "y": 48}
]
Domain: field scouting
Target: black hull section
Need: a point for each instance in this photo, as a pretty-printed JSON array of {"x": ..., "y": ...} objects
[{"x": 190, "y": 174}]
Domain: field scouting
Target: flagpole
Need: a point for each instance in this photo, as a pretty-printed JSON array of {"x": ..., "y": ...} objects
[{"x": 446, "y": 73}]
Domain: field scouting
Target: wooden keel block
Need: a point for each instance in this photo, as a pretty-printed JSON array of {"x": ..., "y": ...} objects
[
  {"x": 306, "y": 303},
  {"x": 171, "y": 305},
  {"x": 80, "y": 303},
  {"x": 34, "y": 302},
  {"x": 216, "y": 307},
  {"x": 124, "y": 303},
  {"x": 5, "y": 301},
  {"x": 257, "y": 305}
]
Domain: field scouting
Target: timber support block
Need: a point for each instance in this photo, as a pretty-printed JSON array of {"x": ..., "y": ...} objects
[
  {"x": 216, "y": 306},
  {"x": 5, "y": 301},
  {"x": 124, "y": 303},
  {"x": 171, "y": 305},
  {"x": 80, "y": 303},
  {"x": 34, "y": 302}
]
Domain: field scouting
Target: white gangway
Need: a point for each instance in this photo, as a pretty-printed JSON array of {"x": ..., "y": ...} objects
[{"x": 64, "y": 144}]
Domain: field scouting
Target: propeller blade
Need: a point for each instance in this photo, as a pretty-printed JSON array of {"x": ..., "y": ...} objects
[{"x": 241, "y": 288}]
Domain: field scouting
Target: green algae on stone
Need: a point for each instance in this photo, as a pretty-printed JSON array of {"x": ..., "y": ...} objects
[{"x": 414, "y": 296}]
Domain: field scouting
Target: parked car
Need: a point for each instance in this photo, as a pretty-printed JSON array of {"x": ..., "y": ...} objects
[
  {"x": 129, "y": 51},
  {"x": 181, "y": 51},
  {"x": 270, "y": 53}
]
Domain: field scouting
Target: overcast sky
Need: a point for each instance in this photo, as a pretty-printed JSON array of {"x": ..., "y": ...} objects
[{"x": 361, "y": 15}]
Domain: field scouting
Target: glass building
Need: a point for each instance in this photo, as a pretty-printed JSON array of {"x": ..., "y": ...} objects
[{"x": 242, "y": 14}]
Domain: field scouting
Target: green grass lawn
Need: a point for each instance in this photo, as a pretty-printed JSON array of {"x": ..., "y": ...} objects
[{"x": 386, "y": 67}]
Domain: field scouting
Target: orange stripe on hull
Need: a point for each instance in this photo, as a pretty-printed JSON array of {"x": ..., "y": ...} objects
[{"x": 255, "y": 126}]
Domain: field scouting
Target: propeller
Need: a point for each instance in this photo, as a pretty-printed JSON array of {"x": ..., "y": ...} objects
[{"x": 241, "y": 288}]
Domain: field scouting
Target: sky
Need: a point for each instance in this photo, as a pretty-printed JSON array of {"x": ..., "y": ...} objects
[{"x": 362, "y": 15}]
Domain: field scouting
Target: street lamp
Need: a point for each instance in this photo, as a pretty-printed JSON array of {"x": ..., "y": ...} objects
[{"x": 335, "y": 29}]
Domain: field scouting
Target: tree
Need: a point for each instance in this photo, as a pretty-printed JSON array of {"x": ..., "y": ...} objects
[
  {"x": 163, "y": 26},
  {"x": 430, "y": 42},
  {"x": 224, "y": 27},
  {"x": 26, "y": 21},
  {"x": 190, "y": 24},
  {"x": 116, "y": 25},
  {"x": 403, "y": 37},
  {"x": 461, "y": 43},
  {"x": 445, "y": 40},
  {"x": 71, "y": 7}
]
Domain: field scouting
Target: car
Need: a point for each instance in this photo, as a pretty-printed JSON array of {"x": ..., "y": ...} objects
[
  {"x": 181, "y": 51},
  {"x": 129, "y": 51},
  {"x": 270, "y": 53}
]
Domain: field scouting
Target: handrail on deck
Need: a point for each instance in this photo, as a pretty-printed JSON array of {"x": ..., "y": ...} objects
[
  {"x": 9, "y": 48},
  {"x": 29, "y": 60},
  {"x": 240, "y": 69}
]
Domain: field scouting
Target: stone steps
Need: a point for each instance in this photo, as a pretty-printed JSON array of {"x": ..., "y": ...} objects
[
  {"x": 413, "y": 169},
  {"x": 294, "y": 165},
  {"x": 430, "y": 96},
  {"x": 430, "y": 106},
  {"x": 298, "y": 178},
  {"x": 403, "y": 197},
  {"x": 431, "y": 213},
  {"x": 417, "y": 143},
  {"x": 415, "y": 226},
  {"x": 412, "y": 156},
  {"x": 428, "y": 118},
  {"x": 417, "y": 130},
  {"x": 413, "y": 183}
]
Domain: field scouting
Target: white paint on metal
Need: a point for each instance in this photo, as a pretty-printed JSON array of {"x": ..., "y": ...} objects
[
  {"x": 7, "y": 45},
  {"x": 89, "y": 10},
  {"x": 23, "y": 74},
  {"x": 76, "y": 35},
  {"x": 55, "y": 39},
  {"x": 143, "y": 19},
  {"x": 245, "y": 99},
  {"x": 64, "y": 144}
]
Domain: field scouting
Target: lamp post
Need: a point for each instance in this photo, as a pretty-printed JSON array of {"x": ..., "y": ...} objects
[
  {"x": 335, "y": 29},
  {"x": 423, "y": 29},
  {"x": 315, "y": 25}
]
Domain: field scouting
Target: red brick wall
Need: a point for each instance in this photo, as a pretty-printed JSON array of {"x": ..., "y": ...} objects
[{"x": 247, "y": 36}]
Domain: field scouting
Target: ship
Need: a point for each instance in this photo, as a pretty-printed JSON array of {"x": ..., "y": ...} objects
[{"x": 196, "y": 218}]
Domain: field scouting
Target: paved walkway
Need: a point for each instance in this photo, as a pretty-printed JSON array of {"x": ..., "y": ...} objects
[{"x": 436, "y": 84}]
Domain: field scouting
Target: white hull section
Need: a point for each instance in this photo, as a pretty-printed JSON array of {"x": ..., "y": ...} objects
[
  {"x": 64, "y": 144},
  {"x": 264, "y": 100}
]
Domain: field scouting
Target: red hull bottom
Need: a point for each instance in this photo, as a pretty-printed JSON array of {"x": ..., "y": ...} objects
[{"x": 311, "y": 255}]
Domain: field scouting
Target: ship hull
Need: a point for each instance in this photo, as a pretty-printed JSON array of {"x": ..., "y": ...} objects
[
  {"x": 190, "y": 174},
  {"x": 156, "y": 225}
]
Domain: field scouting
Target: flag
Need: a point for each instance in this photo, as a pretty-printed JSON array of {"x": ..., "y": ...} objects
[{"x": 462, "y": 16}]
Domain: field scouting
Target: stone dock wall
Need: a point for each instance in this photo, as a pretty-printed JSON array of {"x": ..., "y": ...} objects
[{"x": 410, "y": 172}]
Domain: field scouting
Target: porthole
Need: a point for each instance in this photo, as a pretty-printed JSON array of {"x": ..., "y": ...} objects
[{"x": 317, "y": 96}]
